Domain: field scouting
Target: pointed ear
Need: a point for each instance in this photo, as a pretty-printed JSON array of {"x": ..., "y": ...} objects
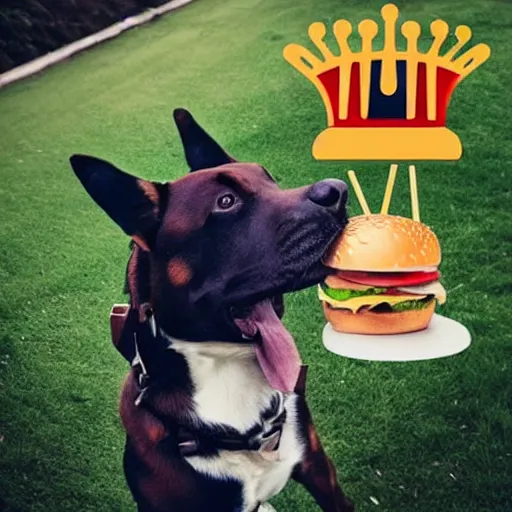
[
  {"x": 134, "y": 204},
  {"x": 201, "y": 151}
]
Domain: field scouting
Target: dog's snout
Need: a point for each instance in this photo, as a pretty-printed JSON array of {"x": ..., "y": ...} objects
[{"x": 331, "y": 194}]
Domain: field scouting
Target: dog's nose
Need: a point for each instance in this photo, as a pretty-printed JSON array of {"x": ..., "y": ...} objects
[{"x": 331, "y": 194}]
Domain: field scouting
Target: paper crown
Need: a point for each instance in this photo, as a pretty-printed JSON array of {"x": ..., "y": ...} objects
[{"x": 387, "y": 104}]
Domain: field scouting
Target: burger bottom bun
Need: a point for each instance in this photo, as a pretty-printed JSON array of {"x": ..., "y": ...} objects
[{"x": 368, "y": 322}]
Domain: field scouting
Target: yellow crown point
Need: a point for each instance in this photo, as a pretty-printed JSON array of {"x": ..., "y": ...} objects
[
  {"x": 463, "y": 35},
  {"x": 439, "y": 30},
  {"x": 411, "y": 30},
  {"x": 389, "y": 13},
  {"x": 342, "y": 30},
  {"x": 317, "y": 33},
  {"x": 388, "y": 79},
  {"x": 367, "y": 29},
  {"x": 472, "y": 59}
]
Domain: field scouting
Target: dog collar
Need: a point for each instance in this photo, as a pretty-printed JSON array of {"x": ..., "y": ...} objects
[
  {"x": 264, "y": 437},
  {"x": 128, "y": 326}
]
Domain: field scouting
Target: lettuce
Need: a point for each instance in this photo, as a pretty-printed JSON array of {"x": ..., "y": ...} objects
[
  {"x": 344, "y": 294},
  {"x": 409, "y": 305}
]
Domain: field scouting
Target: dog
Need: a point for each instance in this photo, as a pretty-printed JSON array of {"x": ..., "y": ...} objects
[{"x": 214, "y": 405}]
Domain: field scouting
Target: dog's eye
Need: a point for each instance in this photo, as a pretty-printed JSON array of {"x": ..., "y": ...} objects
[{"x": 226, "y": 201}]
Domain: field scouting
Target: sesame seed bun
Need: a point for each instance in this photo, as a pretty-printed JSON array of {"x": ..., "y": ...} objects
[
  {"x": 368, "y": 322},
  {"x": 385, "y": 243}
]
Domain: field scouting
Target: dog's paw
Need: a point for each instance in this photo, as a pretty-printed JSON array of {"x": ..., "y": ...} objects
[{"x": 266, "y": 507}]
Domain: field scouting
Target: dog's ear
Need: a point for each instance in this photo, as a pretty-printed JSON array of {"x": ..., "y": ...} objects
[
  {"x": 201, "y": 151},
  {"x": 134, "y": 204}
]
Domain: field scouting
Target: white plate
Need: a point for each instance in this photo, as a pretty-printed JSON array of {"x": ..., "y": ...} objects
[{"x": 443, "y": 337}]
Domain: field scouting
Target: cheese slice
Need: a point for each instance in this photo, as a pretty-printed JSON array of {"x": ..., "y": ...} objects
[
  {"x": 368, "y": 300},
  {"x": 435, "y": 288}
]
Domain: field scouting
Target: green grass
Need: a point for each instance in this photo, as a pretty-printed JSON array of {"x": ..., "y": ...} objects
[{"x": 426, "y": 436}]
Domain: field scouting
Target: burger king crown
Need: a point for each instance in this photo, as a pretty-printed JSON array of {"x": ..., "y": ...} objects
[{"x": 387, "y": 104}]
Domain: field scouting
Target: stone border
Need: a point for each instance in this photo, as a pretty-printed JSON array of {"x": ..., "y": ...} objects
[{"x": 41, "y": 63}]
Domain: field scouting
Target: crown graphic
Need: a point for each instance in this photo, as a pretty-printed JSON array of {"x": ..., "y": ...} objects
[{"x": 387, "y": 104}]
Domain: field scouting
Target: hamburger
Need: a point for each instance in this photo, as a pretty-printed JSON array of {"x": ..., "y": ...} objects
[{"x": 386, "y": 279}]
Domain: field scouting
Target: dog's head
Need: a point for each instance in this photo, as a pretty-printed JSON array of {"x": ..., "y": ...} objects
[{"x": 211, "y": 245}]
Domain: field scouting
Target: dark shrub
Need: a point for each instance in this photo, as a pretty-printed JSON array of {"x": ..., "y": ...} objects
[{"x": 32, "y": 28}]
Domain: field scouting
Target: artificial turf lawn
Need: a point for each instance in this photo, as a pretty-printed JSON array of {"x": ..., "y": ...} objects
[{"x": 422, "y": 436}]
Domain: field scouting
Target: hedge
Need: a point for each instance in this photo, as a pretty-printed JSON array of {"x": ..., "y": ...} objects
[{"x": 31, "y": 28}]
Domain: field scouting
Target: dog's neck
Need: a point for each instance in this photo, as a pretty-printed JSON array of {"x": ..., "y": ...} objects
[
  {"x": 229, "y": 385},
  {"x": 216, "y": 350}
]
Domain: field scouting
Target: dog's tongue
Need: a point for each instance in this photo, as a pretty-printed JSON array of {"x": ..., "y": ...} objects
[{"x": 277, "y": 354}]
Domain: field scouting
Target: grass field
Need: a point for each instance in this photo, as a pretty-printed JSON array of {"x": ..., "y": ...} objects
[{"x": 427, "y": 436}]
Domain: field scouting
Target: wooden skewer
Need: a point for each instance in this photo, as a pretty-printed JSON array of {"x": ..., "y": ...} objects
[
  {"x": 414, "y": 193},
  {"x": 359, "y": 193},
  {"x": 389, "y": 189}
]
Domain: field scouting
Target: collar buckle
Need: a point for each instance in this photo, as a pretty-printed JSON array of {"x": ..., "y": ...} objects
[
  {"x": 144, "y": 380},
  {"x": 141, "y": 396}
]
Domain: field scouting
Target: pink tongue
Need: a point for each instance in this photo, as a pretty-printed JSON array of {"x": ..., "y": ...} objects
[{"x": 277, "y": 354}]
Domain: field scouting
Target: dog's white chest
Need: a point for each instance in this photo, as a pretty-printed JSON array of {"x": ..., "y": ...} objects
[{"x": 231, "y": 389}]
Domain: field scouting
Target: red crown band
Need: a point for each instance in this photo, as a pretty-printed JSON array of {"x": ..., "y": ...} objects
[{"x": 446, "y": 83}]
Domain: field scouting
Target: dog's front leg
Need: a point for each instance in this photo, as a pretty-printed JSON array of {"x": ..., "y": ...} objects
[{"x": 316, "y": 471}]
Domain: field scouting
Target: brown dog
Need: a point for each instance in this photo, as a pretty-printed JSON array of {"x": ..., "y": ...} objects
[{"x": 214, "y": 405}]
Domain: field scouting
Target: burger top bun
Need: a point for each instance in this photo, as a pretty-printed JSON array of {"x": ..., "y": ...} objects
[{"x": 384, "y": 243}]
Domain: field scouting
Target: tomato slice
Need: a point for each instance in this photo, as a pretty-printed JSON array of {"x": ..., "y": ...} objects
[{"x": 392, "y": 279}]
